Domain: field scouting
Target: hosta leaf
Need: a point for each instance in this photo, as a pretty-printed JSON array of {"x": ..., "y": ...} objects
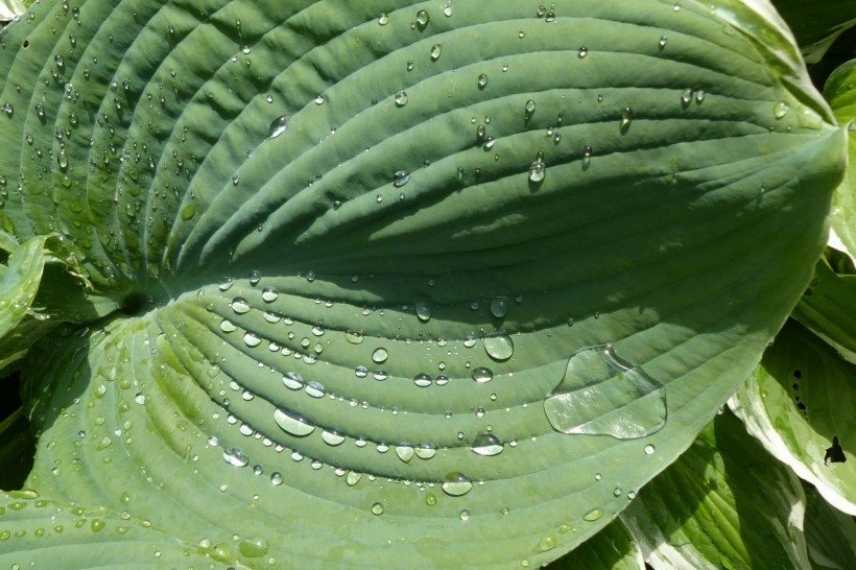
[
  {"x": 10, "y": 9},
  {"x": 831, "y": 535},
  {"x": 800, "y": 405},
  {"x": 85, "y": 538},
  {"x": 828, "y": 307},
  {"x": 725, "y": 503},
  {"x": 613, "y": 548},
  {"x": 817, "y": 24},
  {"x": 840, "y": 90},
  {"x": 412, "y": 284},
  {"x": 19, "y": 284}
]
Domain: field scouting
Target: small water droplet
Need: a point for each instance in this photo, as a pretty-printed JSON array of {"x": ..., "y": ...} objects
[
  {"x": 499, "y": 348},
  {"x": 269, "y": 295},
  {"x": 422, "y": 380},
  {"x": 332, "y": 438},
  {"x": 482, "y": 375},
  {"x": 781, "y": 109},
  {"x": 405, "y": 453},
  {"x": 240, "y": 306},
  {"x": 251, "y": 339},
  {"x": 377, "y": 509},
  {"x": 650, "y": 449},
  {"x": 401, "y": 99},
  {"x": 487, "y": 445},
  {"x": 663, "y": 42},
  {"x": 400, "y": 178},
  {"x": 482, "y": 82},
  {"x": 436, "y": 51},
  {"x": 529, "y": 108},
  {"x": 593, "y": 515},
  {"x": 292, "y": 424},
  {"x": 383, "y": 19},
  {"x": 423, "y": 18},
  {"x": 423, "y": 312},
  {"x": 626, "y": 119},
  {"x": 583, "y": 52},
  {"x": 380, "y": 355},
  {"x": 457, "y": 485},
  {"x": 499, "y": 305},
  {"x": 235, "y": 457},
  {"x": 278, "y": 127},
  {"x": 537, "y": 170}
]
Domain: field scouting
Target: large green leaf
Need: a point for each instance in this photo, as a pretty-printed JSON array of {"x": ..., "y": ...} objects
[
  {"x": 613, "y": 548},
  {"x": 840, "y": 89},
  {"x": 800, "y": 405},
  {"x": 725, "y": 503},
  {"x": 412, "y": 284},
  {"x": 817, "y": 23}
]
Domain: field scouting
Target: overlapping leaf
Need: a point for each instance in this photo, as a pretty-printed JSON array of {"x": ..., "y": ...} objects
[
  {"x": 725, "y": 503},
  {"x": 417, "y": 283}
]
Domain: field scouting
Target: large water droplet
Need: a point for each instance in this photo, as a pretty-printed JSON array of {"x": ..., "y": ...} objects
[
  {"x": 487, "y": 444},
  {"x": 332, "y": 438},
  {"x": 457, "y": 485},
  {"x": 601, "y": 394},
  {"x": 405, "y": 453},
  {"x": 292, "y": 424},
  {"x": 499, "y": 348}
]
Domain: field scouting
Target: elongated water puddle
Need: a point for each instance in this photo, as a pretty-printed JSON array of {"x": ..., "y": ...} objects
[{"x": 602, "y": 394}]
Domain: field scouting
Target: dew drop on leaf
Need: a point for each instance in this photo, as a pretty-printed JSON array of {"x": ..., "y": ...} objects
[
  {"x": 499, "y": 348},
  {"x": 292, "y": 424},
  {"x": 457, "y": 485},
  {"x": 487, "y": 445}
]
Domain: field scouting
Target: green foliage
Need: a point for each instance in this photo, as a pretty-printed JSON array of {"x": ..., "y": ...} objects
[{"x": 386, "y": 284}]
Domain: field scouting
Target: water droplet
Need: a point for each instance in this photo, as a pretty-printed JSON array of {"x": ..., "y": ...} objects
[
  {"x": 293, "y": 381},
  {"x": 425, "y": 452},
  {"x": 593, "y": 515},
  {"x": 269, "y": 295},
  {"x": 547, "y": 543},
  {"x": 487, "y": 445},
  {"x": 582, "y": 53},
  {"x": 422, "y": 19},
  {"x": 601, "y": 394},
  {"x": 251, "y": 339},
  {"x": 332, "y": 438},
  {"x": 457, "y": 485},
  {"x": 405, "y": 453},
  {"x": 482, "y": 82},
  {"x": 686, "y": 98},
  {"x": 499, "y": 348},
  {"x": 401, "y": 99},
  {"x": 436, "y": 51},
  {"x": 383, "y": 19},
  {"x": 447, "y": 9},
  {"x": 537, "y": 170},
  {"x": 235, "y": 457},
  {"x": 663, "y": 42},
  {"x": 626, "y": 119},
  {"x": 377, "y": 509},
  {"x": 253, "y": 548},
  {"x": 529, "y": 108},
  {"x": 240, "y": 306},
  {"x": 380, "y": 355},
  {"x": 278, "y": 127},
  {"x": 292, "y": 424},
  {"x": 465, "y": 515},
  {"x": 422, "y": 380},
  {"x": 315, "y": 390},
  {"x": 482, "y": 375},
  {"x": 423, "y": 312},
  {"x": 499, "y": 305},
  {"x": 400, "y": 178},
  {"x": 650, "y": 449},
  {"x": 781, "y": 109},
  {"x": 276, "y": 479}
]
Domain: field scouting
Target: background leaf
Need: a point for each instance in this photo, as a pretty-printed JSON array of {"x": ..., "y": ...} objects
[
  {"x": 725, "y": 503},
  {"x": 613, "y": 548},
  {"x": 817, "y": 24},
  {"x": 831, "y": 534},
  {"x": 840, "y": 90},
  {"x": 799, "y": 406}
]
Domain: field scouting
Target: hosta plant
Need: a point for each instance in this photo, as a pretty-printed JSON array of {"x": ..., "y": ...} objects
[{"x": 441, "y": 284}]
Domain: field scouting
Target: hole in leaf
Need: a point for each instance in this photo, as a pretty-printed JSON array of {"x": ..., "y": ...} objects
[{"x": 835, "y": 454}]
